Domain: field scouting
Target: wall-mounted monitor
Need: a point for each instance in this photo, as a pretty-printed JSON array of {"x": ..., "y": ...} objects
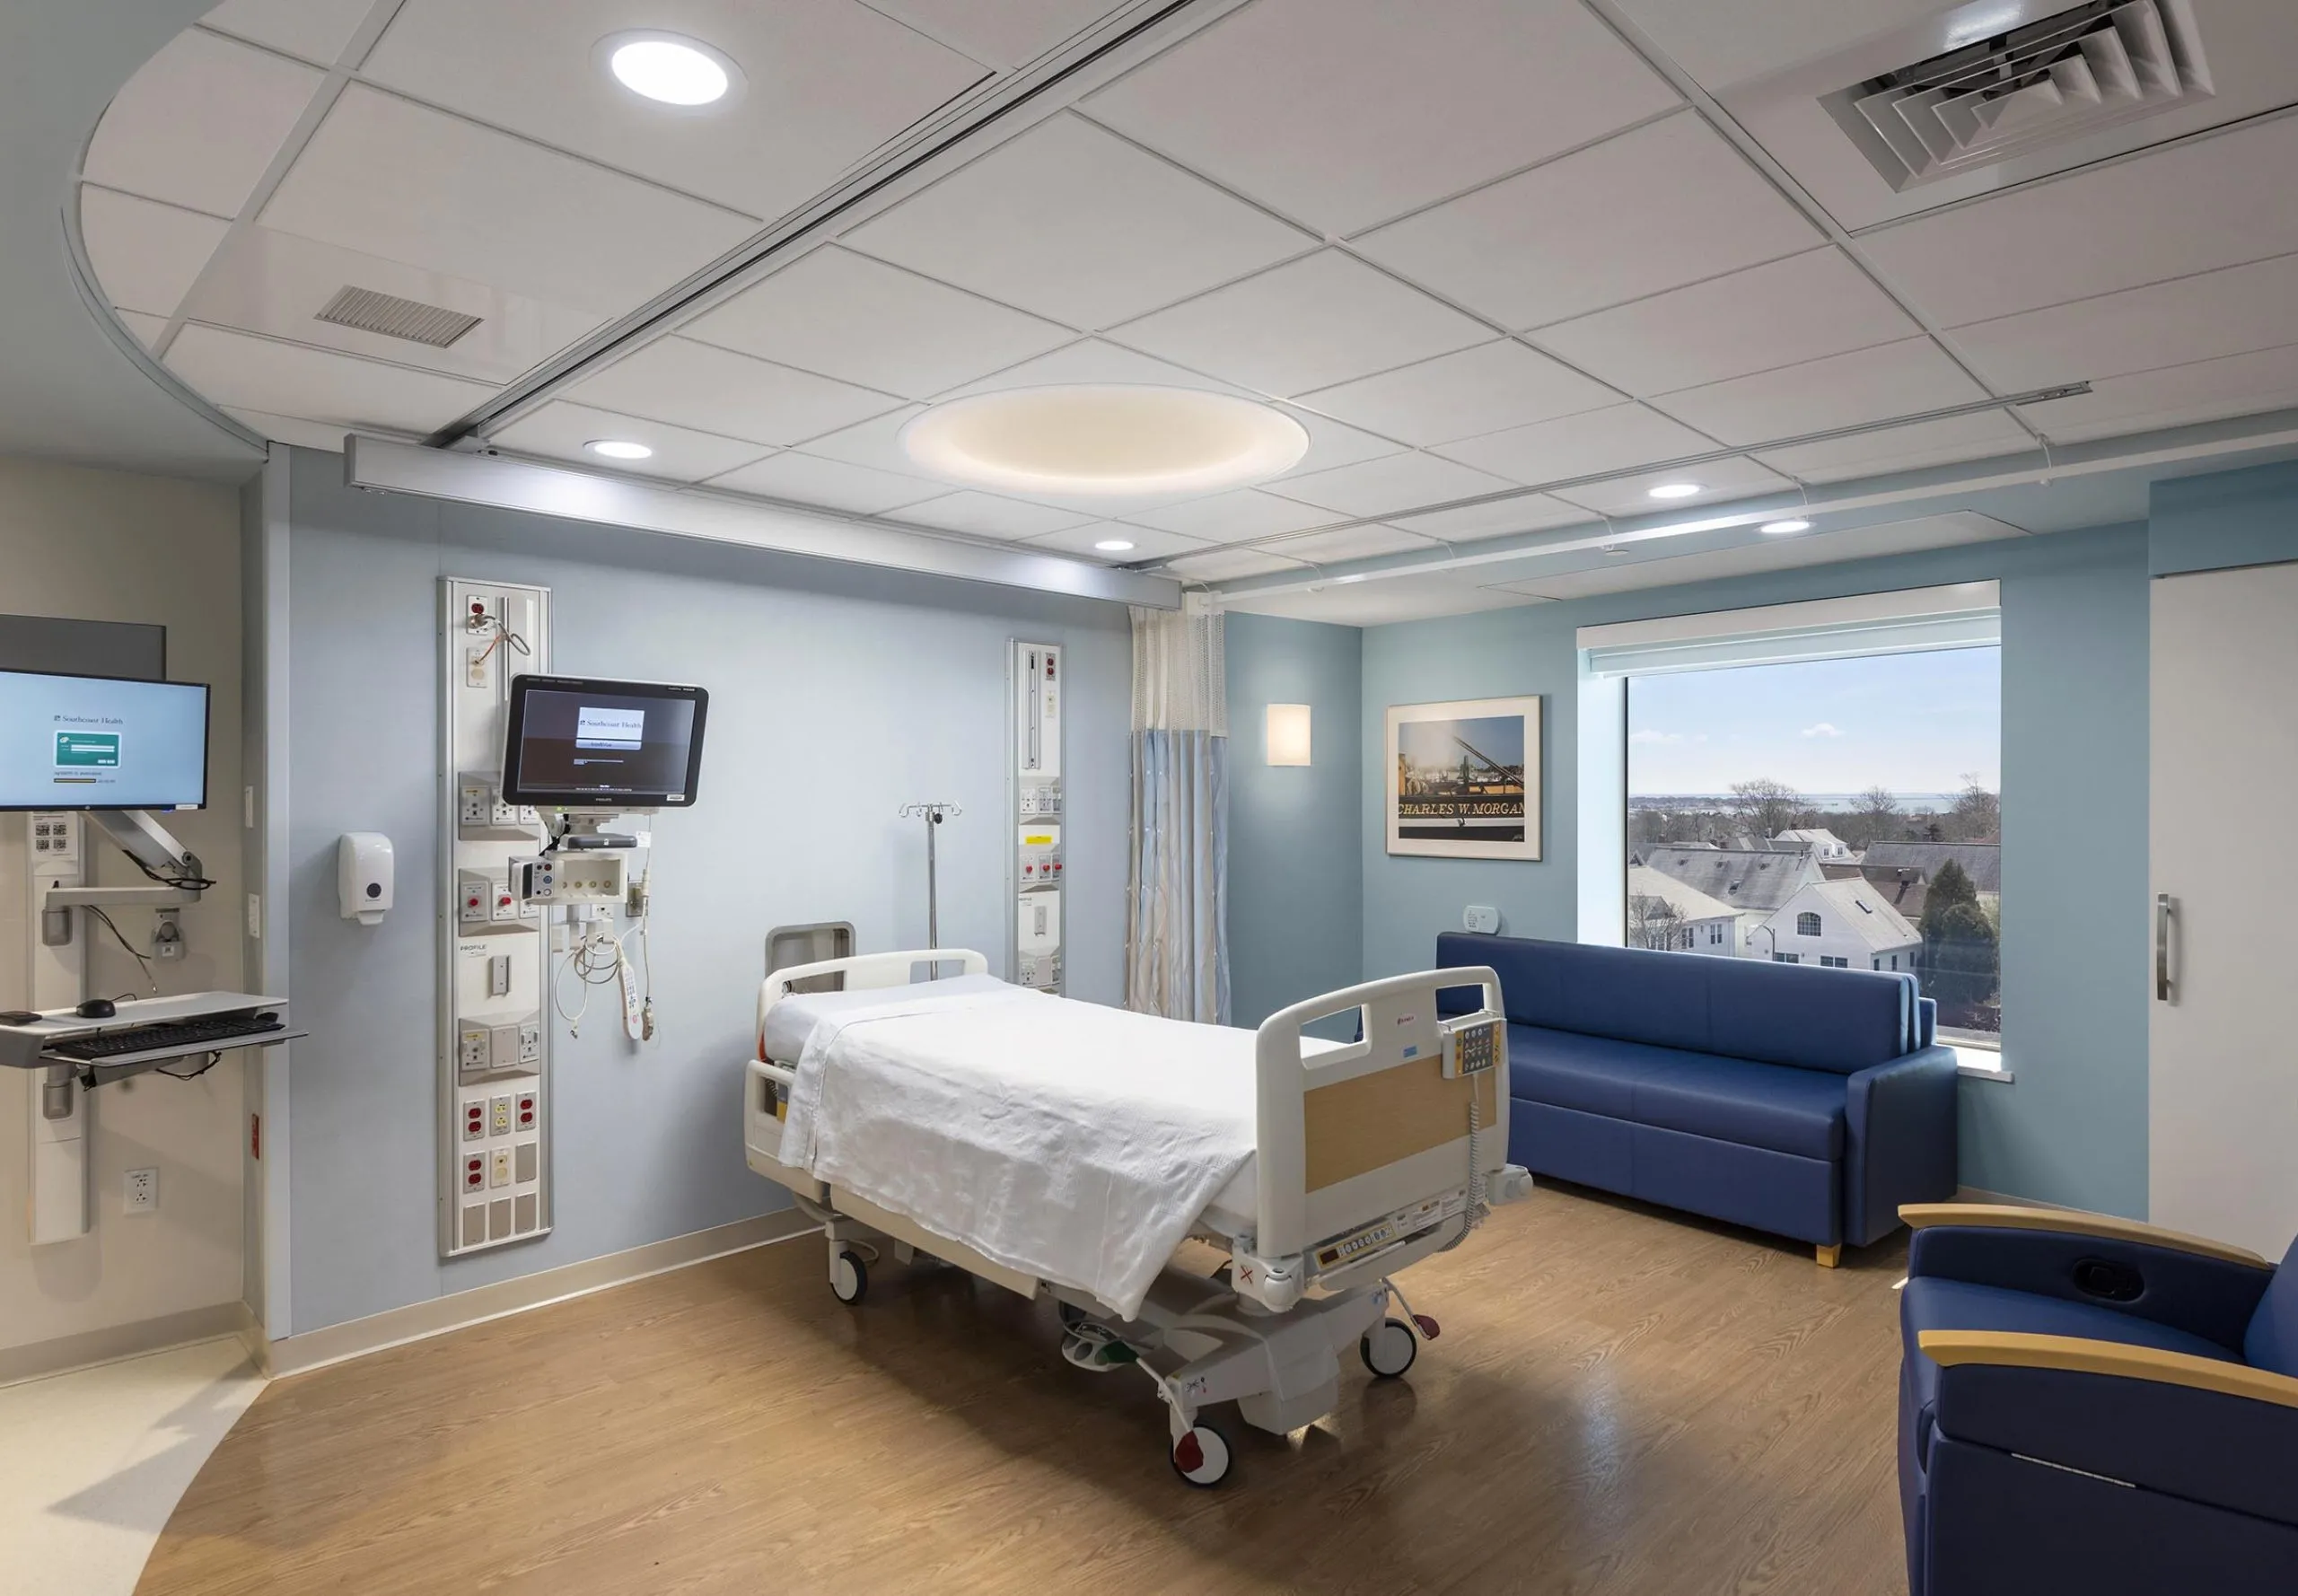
[
  {"x": 101, "y": 742},
  {"x": 573, "y": 743}
]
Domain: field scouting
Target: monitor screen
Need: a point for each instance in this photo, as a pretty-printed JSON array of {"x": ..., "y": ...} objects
[
  {"x": 101, "y": 742},
  {"x": 575, "y": 743}
]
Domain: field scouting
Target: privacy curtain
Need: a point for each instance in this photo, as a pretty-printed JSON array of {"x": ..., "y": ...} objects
[{"x": 1177, "y": 934}]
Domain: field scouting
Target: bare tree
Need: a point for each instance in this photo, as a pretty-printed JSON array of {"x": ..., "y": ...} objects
[
  {"x": 1877, "y": 818},
  {"x": 1768, "y": 807},
  {"x": 1977, "y": 814},
  {"x": 1653, "y": 922}
]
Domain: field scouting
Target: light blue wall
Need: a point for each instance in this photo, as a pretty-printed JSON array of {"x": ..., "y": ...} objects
[
  {"x": 2229, "y": 518},
  {"x": 1297, "y": 872},
  {"x": 2072, "y": 1128},
  {"x": 837, "y": 694}
]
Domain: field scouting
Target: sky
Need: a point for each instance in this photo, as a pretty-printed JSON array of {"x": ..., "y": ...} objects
[
  {"x": 1498, "y": 738},
  {"x": 1914, "y": 723}
]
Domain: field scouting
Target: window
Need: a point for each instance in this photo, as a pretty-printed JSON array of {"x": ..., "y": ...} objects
[
  {"x": 1716, "y": 935},
  {"x": 1870, "y": 778}
]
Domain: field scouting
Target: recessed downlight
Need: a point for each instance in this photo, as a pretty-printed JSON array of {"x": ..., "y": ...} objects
[
  {"x": 684, "y": 73},
  {"x": 1113, "y": 546},
  {"x": 1674, "y": 490},
  {"x": 618, "y": 449},
  {"x": 1780, "y": 528},
  {"x": 1105, "y": 439}
]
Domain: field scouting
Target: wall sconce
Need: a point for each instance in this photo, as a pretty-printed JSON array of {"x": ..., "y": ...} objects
[{"x": 1288, "y": 734}]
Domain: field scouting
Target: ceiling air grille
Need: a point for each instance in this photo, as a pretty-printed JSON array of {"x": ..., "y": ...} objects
[
  {"x": 2085, "y": 68},
  {"x": 397, "y": 318}
]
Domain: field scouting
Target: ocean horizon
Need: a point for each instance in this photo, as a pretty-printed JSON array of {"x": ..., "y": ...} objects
[{"x": 1839, "y": 803}]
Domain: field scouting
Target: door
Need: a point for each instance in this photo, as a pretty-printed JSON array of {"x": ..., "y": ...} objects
[{"x": 2222, "y": 1105}]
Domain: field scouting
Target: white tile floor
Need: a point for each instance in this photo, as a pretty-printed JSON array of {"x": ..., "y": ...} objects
[{"x": 93, "y": 1462}]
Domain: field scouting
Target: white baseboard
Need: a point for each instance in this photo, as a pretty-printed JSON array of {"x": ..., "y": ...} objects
[
  {"x": 1972, "y": 1194},
  {"x": 418, "y": 1321},
  {"x": 40, "y": 1359}
]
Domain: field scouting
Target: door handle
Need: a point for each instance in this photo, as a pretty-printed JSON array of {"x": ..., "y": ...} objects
[{"x": 2165, "y": 910}]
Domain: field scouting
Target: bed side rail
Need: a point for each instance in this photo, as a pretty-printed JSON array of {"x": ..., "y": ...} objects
[
  {"x": 861, "y": 972},
  {"x": 1353, "y": 1135}
]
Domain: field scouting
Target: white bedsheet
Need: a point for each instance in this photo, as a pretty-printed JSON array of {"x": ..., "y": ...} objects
[{"x": 1072, "y": 1142}]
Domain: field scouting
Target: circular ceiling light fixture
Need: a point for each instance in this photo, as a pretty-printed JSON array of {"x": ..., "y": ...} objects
[
  {"x": 683, "y": 74},
  {"x": 618, "y": 449},
  {"x": 1113, "y": 546},
  {"x": 1674, "y": 490},
  {"x": 1780, "y": 528},
  {"x": 1105, "y": 439}
]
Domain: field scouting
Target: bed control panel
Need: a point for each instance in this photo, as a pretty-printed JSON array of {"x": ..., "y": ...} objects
[
  {"x": 1034, "y": 675},
  {"x": 1475, "y": 1043}
]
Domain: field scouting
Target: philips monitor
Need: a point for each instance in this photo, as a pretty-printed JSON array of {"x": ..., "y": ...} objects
[
  {"x": 101, "y": 742},
  {"x": 577, "y": 743}
]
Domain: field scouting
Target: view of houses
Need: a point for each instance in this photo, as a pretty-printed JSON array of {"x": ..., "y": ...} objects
[{"x": 1910, "y": 891}]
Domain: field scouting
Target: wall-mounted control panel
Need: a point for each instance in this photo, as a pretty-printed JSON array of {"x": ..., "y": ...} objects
[
  {"x": 495, "y": 1039},
  {"x": 1037, "y": 692}
]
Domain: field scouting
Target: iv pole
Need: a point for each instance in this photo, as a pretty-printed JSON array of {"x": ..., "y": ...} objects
[{"x": 934, "y": 814}]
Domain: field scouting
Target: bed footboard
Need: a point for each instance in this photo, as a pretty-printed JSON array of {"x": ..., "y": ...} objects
[{"x": 1379, "y": 1153}]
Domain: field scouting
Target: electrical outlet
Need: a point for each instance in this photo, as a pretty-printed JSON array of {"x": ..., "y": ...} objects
[
  {"x": 529, "y": 1041},
  {"x": 498, "y": 1172},
  {"x": 141, "y": 1193},
  {"x": 475, "y": 1051},
  {"x": 500, "y": 1116},
  {"x": 476, "y": 666},
  {"x": 167, "y": 936}
]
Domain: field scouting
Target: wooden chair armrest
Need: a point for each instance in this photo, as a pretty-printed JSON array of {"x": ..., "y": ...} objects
[
  {"x": 2079, "y": 1354},
  {"x": 2006, "y": 1217}
]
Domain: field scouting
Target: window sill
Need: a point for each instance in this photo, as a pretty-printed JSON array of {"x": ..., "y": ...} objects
[{"x": 1981, "y": 1063}]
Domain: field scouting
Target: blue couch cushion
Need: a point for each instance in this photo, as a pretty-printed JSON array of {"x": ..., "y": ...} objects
[
  {"x": 2272, "y": 1341},
  {"x": 1802, "y": 1016},
  {"x": 1930, "y": 1303},
  {"x": 1730, "y": 1099}
]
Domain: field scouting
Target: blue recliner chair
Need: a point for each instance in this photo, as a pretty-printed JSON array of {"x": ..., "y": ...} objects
[{"x": 2095, "y": 1404}]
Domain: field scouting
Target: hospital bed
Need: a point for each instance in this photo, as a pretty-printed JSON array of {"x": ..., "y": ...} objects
[{"x": 873, "y": 1094}]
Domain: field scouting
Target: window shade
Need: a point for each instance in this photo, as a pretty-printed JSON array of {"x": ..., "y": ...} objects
[{"x": 1967, "y": 615}]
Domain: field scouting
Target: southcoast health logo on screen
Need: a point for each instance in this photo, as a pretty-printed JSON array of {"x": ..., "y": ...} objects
[{"x": 80, "y": 754}]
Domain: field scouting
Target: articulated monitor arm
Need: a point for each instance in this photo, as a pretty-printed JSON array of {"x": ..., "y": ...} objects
[{"x": 175, "y": 870}]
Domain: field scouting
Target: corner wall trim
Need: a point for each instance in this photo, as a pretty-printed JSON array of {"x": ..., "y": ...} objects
[
  {"x": 418, "y": 1321},
  {"x": 40, "y": 1359}
]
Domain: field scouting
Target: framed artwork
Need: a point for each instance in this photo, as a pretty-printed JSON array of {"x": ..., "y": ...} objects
[{"x": 1464, "y": 779}]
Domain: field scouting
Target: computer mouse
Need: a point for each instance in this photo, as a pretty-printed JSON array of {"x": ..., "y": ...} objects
[{"x": 97, "y": 1008}]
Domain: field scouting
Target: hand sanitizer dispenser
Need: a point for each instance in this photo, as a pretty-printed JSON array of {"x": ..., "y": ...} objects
[{"x": 362, "y": 875}]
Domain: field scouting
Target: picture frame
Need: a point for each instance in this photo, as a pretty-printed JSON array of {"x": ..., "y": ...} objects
[{"x": 1464, "y": 779}]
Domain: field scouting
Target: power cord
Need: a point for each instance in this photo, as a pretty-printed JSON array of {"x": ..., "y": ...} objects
[
  {"x": 182, "y": 884},
  {"x": 149, "y": 979}
]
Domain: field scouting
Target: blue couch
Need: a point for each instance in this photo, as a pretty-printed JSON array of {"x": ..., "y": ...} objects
[
  {"x": 1806, "y": 1101},
  {"x": 2090, "y": 1405}
]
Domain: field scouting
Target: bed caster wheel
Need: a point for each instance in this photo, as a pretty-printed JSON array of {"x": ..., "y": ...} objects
[
  {"x": 1389, "y": 1348},
  {"x": 1071, "y": 1317},
  {"x": 1201, "y": 1457},
  {"x": 849, "y": 1279}
]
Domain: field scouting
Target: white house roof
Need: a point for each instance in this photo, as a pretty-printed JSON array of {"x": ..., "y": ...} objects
[
  {"x": 1690, "y": 902},
  {"x": 1748, "y": 880},
  {"x": 1818, "y": 837},
  {"x": 1855, "y": 906}
]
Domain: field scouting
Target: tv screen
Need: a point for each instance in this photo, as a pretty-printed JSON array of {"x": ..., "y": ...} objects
[
  {"x": 101, "y": 742},
  {"x": 578, "y": 744}
]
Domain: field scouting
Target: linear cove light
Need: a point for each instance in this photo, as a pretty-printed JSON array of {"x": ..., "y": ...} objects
[{"x": 1105, "y": 439}]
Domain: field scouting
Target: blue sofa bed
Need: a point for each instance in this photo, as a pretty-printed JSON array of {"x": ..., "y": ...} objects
[{"x": 1806, "y": 1101}]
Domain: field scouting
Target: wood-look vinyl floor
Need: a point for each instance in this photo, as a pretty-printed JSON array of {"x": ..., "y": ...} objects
[{"x": 1623, "y": 1403}]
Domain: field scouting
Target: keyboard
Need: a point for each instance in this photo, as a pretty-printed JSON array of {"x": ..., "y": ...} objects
[{"x": 191, "y": 1036}]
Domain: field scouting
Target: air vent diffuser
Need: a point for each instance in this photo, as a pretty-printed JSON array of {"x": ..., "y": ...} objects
[
  {"x": 397, "y": 318},
  {"x": 2088, "y": 67}
]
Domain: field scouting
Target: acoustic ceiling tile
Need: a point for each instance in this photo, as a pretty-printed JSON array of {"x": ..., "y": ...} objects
[
  {"x": 839, "y": 485},
  {"x": 1304, "y": 325},
  {"x": 2188, "y": 207},
  {"x": 392, "y": 178},
  {"x": 1979, "y": 437},
  {"x": 1526, "y": 513},
  {"x": 146, "y": 328},
  {"x": 716, "y": 391},
  {"x": 1352, "y": 543},
  {"x": 1346, "y": 112},
  {"x": 1784, "y": 314},
  {"x": 560, "y": 430},
  {"x": 847, "y": 316},
  {"x": 824, "y": 83},
  {"x": 1718, "y": 480},
  {"x": 1383, "y": 486},
  {"x": 1090, "y": 361},
  {"x": 199, "y": 122},
  {"x": 2231, "y": 311},
  {"x": 2175, "y": 396},
  {"x": 146, "y": 255},
  {"x": 1228, "y": 565},
  {"x": 1148, "y": 543},
  {"x": 990, "y": 515},
  {"x": 1618, "y": 438},
  {"x": 1889, "y": 380},
  {"x": 1071, "y": 223},
  {"x": 1464, "y": 394},
  {"x": 1235, "y": 516},
  {"x": 1651, "y": 209},
  {"x": 338, "y": 391},
  {"x": 313, "y": 30},
  {"x": 1009, "y": 33}
]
